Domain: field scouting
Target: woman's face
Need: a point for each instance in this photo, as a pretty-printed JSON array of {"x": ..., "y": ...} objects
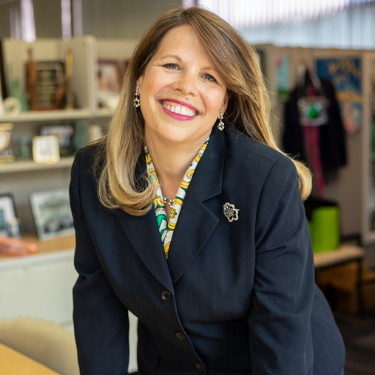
[{"x": 181, "y": 93}]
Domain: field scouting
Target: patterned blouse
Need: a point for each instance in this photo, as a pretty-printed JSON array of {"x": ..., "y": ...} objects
[{"x": 166, "y": 228}]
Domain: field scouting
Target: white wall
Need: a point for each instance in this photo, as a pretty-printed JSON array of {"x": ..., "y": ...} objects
[{"x": 122, "y": 18}]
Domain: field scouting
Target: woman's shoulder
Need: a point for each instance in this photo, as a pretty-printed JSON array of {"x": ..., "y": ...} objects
[
  {"x": 84, "y": 162},
  {"x": 85, "y": 155},
  {"x": 255, "y": 154}
]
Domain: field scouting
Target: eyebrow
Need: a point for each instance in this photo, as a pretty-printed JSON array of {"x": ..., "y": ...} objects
[{"x": 179, "y": 59}]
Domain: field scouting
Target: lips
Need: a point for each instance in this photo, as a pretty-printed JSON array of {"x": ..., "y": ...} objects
[{"x": 179, "y": 107}]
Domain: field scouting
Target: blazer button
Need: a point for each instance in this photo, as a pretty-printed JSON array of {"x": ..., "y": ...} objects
[
  {"x": 199, "y": 366},
  {"x": 165, "y": 296},
  {"x": 180, "y": 336}
]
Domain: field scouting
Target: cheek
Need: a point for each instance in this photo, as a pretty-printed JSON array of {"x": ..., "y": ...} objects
[
  {"x": 154, "y": 84},
  {"x": 213, "y": 102}
]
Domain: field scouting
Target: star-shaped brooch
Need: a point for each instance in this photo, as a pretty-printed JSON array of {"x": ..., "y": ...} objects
[{"x": 230, "y": 212}]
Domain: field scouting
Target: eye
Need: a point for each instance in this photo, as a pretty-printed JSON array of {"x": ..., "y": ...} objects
[
  {"x": 171, "y": 66},
  {"x": 209, "y": 78}
]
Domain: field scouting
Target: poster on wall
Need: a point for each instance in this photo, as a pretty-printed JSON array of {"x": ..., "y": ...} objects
[
  {"x": 283, "y": 78},
  {"x": 345, "y": 73}
]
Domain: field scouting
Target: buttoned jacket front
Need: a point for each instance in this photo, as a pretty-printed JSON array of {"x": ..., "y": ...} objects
[{"x": 233, "y": 298}]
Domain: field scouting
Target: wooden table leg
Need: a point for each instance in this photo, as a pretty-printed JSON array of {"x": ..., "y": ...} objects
[{"x": 360, "y": 300}]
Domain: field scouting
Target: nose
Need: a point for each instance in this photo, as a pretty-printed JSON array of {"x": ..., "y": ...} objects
[{"x": 186, "y": 83}]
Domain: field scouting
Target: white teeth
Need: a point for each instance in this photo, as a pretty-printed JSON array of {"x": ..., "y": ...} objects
[{"x": 182, "y": 110}]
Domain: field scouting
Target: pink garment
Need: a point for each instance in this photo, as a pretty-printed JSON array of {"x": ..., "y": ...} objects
[
  {"x": 312, "y": 140},
  {"x": 312, "y": 136}
]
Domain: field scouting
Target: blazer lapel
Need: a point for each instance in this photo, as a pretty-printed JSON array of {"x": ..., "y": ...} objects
[
  {"x": 196, "y": 222},
  {"x": 143, "y": 234}
]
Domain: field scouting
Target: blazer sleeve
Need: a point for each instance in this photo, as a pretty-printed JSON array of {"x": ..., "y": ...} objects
[
  {"x": 279, "y": 318},
  {"x": 100, "y": 320}
]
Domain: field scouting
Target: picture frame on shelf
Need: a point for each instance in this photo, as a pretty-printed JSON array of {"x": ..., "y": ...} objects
[
  {"x": 7, "y": 213},
  {"x": 64, "y": 134},
  {"x": 52, "y": 214},
  {"x": 108, "y": 82},
  {"x": 44, "y": 79},
  {"x": 6, "y": 150},
  {"x": 46, "y": 149}
]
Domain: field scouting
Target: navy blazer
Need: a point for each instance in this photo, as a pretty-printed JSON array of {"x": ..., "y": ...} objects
[{"x": 233, "y": 298}]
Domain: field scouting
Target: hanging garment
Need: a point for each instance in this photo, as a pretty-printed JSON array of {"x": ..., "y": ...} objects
[{"x": 332, "y": 147}]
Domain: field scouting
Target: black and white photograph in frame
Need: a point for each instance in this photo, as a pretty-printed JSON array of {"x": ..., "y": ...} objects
[
  {"x": 7, "y": 213},
  {"x": 51, "y": 213}
]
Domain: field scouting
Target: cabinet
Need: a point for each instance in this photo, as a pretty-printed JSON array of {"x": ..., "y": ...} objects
[
  {"x": 40, "y": 286},
  {"x": 24, "y": 177}
]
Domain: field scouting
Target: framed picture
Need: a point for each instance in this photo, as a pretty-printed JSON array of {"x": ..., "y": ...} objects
[
  {"x": 52, "y": 214},
  {"x": 46, "y": 149},
  {"x": 64, "y": 134},
  {"x": 7, "y": 213},
  {"x": 6, "y": 153},
  {"x": 43, "y": 79},
  {"x": 108, "y": 82}
]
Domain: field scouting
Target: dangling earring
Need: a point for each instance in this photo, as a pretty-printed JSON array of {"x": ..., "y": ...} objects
[
  {"x": 136, "y": 99},
  {"x": 221, "y": 122}
]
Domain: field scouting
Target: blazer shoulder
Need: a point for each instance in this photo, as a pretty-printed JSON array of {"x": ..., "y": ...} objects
[
  {"x": 83, "y": 165},
  {"x": 85, "y": 155},
  {"x": 252, "y": 158},
  {"x": 254, "y": 149}
]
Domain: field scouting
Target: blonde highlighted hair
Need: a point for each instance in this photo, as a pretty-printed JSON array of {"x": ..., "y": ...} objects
[{"x": 248, "y": 109}]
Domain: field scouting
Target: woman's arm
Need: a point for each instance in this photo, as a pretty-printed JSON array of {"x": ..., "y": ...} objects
[
  {"x": 100, "y": 320},
  {"x": 279, "y": 319}
]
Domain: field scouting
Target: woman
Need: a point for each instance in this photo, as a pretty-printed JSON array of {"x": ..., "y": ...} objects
[{"x": 230, "y": 288}]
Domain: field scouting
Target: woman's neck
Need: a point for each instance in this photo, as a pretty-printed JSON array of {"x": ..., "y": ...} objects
[{"x": 171, "y": 160}]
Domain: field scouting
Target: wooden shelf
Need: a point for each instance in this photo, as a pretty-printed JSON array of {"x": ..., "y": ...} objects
[
  {"x": 30, "y": 165},
  {"x": 50, "y": 246},
  {"x": 370, "y": 237},
  {"x": 104, "y": 112},
  {"x": 344, "y": 253},
  {"x": 36, "y": 116}
]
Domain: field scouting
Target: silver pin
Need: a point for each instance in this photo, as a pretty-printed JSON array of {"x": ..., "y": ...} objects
[{"x": 231, "y": 212}]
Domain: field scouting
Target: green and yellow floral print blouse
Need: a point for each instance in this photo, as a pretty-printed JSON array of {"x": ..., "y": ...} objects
[{"x": 166, "y": 228}]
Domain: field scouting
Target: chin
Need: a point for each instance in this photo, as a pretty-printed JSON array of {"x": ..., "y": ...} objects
[{"x": 176, "y": 135}]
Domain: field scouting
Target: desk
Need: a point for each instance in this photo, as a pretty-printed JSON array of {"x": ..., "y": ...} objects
[
  {"x": 44, "y": 247},
  {"x": 15, "y": 363},
  {"x": 344, "y": 254}
]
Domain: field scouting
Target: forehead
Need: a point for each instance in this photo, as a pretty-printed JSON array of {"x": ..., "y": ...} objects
[{"x": 184, "y": 42}]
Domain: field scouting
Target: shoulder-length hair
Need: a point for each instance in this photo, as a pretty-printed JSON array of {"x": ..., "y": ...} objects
[{"x": 248, "y": 110}]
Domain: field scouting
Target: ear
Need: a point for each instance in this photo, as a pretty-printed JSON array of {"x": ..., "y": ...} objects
[
  {"x": 139, "y": 82},
  {"x": 225, "y": 102}
]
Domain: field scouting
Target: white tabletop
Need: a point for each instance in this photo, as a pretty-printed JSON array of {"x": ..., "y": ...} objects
[{"x": 344, "y": 253}]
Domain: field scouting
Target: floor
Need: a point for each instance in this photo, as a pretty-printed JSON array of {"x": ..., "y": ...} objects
[{"x": 359, "y": 337}]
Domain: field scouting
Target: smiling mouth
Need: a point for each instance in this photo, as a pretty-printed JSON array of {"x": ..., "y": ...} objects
[{"x": 178, "y": 108}]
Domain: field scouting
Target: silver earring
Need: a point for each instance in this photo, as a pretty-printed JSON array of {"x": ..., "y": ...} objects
[
  {"x": 221, "y": 122},
  {"x": 136, "y": 99}
]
